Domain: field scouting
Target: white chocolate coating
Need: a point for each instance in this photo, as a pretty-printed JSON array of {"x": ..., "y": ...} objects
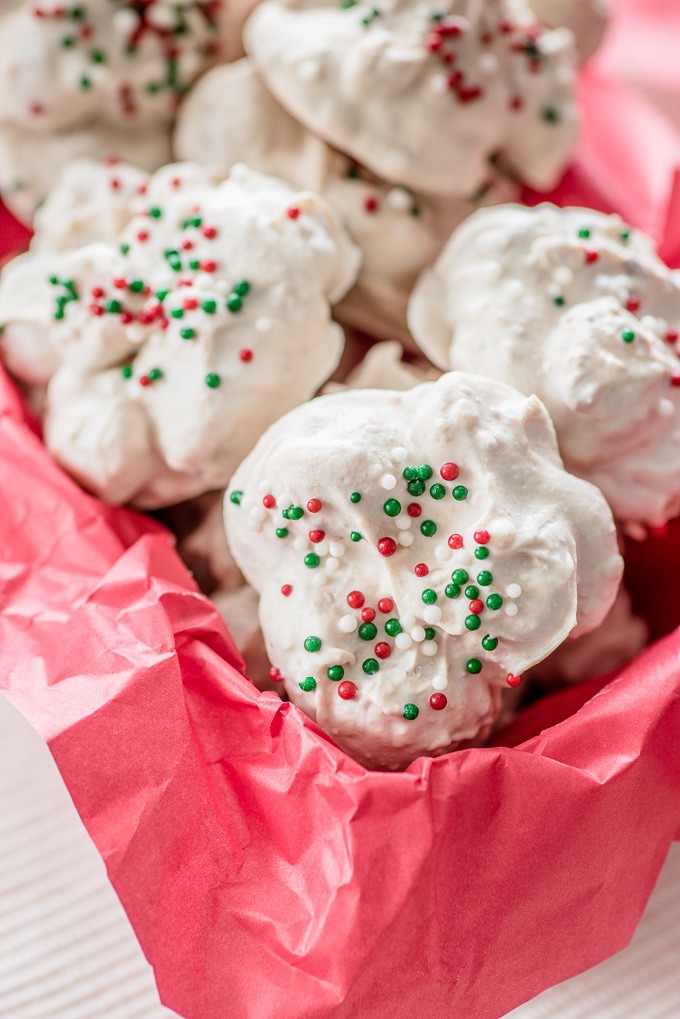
[
  {"x": 547, "y": 566},
  {"x": 587, "y": 19},
  {"x": 31, "y": 163},
  {"x": 575, "y": 307},
  {"x": 424, "y": 100},
  {"x": 174, "y": 352},
  {"x": 231, "y": 117}
]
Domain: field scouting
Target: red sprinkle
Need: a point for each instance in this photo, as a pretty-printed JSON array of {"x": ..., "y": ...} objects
[
  {"x": 143, "y": 235},
  {"x": 368, "y": 615},
  {"x": 275, "y": 675},
  {"x": 387, "y": 546},
  {"x": 190, "y": 303},
  {"x": 513, "y": 680},
  {"x": 120, "y": 283},
  {"x": 209, "y": 232},
  {"x": 633, "y": 304},
  {"x": 482, "y": 537},
  {"x": 176, "y": 182},
  {"x": 114, "y": 184},
  {"x": 438, "y": 701},
  {"x": 208, "y": 265},
  {"x": 385, "y": 605},
  {"x": 97, "y": 292},
  {"x": 455, "y": 541},
  {"x": 355, "y": 599},
  {"x": 347, "y": 690},
  {"x": 145, "y": 380},
  {"x": 476, "y": 606},
  {"x": 675, "y": 380},
  {"x": 413, "y": 509},
  {"x": 314, "y": 505},
  {"x": 316, "y": 536},
  {"x": 286, "y": 590},
  {"x": 383, "y": 649},
  {"x": 269, "y": 502},
  {"x": 591, "y": 256},
  {"x": 516, "y": 103},
  {"x": 421, "y": 570},
  {"x": 187, "y": 245},
  {"x": 96, "y": 309},
  {"x": 671, "y": 336},
  {"x": 245, "y": 355},
  {"x": 293, "y": 212},
  {"x": 449, "y": 471},
  {"x": 371, "y": 205}
]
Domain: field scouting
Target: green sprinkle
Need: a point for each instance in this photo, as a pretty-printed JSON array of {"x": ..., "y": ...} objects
[
  {"x": 335, "y": 672},
  {"x": 584, "y": 233},
  {"x": 155, "y": 374},
  {"x": 236, "y": 497},
  {"x": 295, "y": 513},
  {"x": 113, "y": 307},
  {"x": 424, "y": 472},
  {"x": 489, "y": 643},
  {"x": 355, "y": 536},
  {"x": 452, "y": 591},
  {"x": 481, "y": 552},
  {"x": 551, "y": 115},
  {"x": 368, "y": 631},
  {"x": 409, "y": 473},
  {"x": 209, "y": 306},
  {"x": 124, "y": 249},
  {"x": 472, "y": 591},
  {"x": 312, "y": 644},
  {"x": 177, "y": 313},
  {"x": 188, "y": 333},
  {"x": 370, "y": 666},
  {"x": 162, "y": 294},
  {"x": 484, "y": 578},
  {"x": 392, "y": 627},
  {"x": 460, "y": 493},
  {"x": 429, "y": 596},
  {"x": 428, "y": 528},
  {"x": 411, "y": 712},
  {"x": 558, "y": 302},
  {"x": 437, "y": 491},
  {"x": 68, "y": 42},
  {"x": 473, "y": 666},
  {"x": 155, "y": 212},
  {"x": 308, "y": 684},
  {"x": 392, "y": 508},
  {"x": 126, "y": 371},
  {"x": 355, "y": 497},
  {"x": 624, "y": 235},
  {"x": 242, "y": 288},
  {"x": 628, "y": 336},
  {"x": 415, "y": 487},
  {"x": 59, "y": 314},
  {"x": 346, "y": 4},
  {"x": 136, "y": 286},
  {"x": 212, "y": 379},
  {"x": 98, "y": 57},
  {"x": 460, "y": 577},
  {"x": 194, "y": 264},
  {"x": 85, "y": 82},
  {"x": 234, "y": 303},
  {"x": 281, "y": 532},
  {"x": 472, "y": 622},
  {"x": 54, "y": 280},
  {"x": 429, "y": 633},
  {"x": 494, "y": 601},
  {"x": 312, "y": 560}
]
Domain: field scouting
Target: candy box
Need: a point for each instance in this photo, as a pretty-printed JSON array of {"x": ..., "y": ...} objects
[{"x": 265, "y": 873}]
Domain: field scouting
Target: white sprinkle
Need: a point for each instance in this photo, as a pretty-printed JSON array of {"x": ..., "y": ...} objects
[
  {"x": 263, "y": 324},
  {"x": 666, "y": 408},
  {"x": 439, "y": 84},
  {"x": 408, "y": 621},
  {"x": 514, "y": 289},
  {"x": 347, "y": 624},
  {"x": 222, "y": 287},
  {"x": 418, "y": 634},
  {"x": 309, "y": 70},
  {"x": 406, "y": 539},
  {"x": 554, "y": 289},
  {"x": 564, "y": 275},
  {"x": 135, "y": 333},
  {"x": 403, "y": 522},
  {"x": 511, "y": 609},
  {"x": 513, "y": 590},
  {"x": 432, "y": 613},
  {"x": 257, "y": 515},
  {"x": 336, "y": 548},
  {"x": 403, "y": 641},
  {"x": 488, "y": 64},
  {"x": 332, "y": 565},
  {"x": 442, "y": 552},
  {"x": 321, "y": 548},
  {"x": 440, "y": 683},
  {"x": 399, "y": 454},
  {"x": 388, "y": 481},
  {"x": 399, "y": 199},
  {"x": 300, "y": 543},
  {"x": 430, "y": 648}
]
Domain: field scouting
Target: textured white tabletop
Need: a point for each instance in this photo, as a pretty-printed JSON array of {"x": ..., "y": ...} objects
[{"x": 67, "y": 950}]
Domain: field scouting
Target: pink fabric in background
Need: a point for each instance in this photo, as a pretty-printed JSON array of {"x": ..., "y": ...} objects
[{"x": 265, "y": 873}]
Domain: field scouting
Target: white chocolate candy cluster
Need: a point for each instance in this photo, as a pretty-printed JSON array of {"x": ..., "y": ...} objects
[
  {"x": 424, "y": 94},
  {"x": 574, "y": 306},
  {"x": 587, "y": 19},
  {"x": 231, "y": 117},
  {"x": 169, "y": 352},
  {"x": 414, "y": 553},
  {"x": 100, "y": 75}
]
